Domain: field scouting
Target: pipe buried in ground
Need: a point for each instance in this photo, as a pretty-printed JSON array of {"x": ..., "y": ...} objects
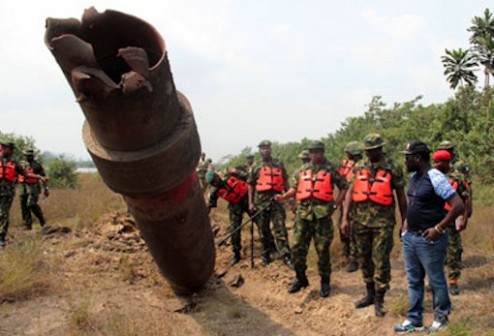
[{"x": 141, "y": 135}]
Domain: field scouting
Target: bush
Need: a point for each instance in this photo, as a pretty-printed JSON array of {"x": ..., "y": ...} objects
[{"x": 62, "y": 173}]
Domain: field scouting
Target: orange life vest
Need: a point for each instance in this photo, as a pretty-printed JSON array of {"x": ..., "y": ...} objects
[
  {"x": 318, "y": 186},
  {"x": 28, "y": 180},
  {"x": 346, "y": 169},
  {"x": 8, "y": 171},
  {"x": 454, "y": 184},
  {"x": 237, "y": 191},
  {"x": 379, "y": 190},
  {"x": 270, "y": 178}
]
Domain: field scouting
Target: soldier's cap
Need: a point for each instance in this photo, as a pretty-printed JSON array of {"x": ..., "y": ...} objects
[
  {"x": 316, "y": 145},
  {"x": 446, "y": 145},
  {"x": 210, "y": 176},
  {"x": 373, "y": 140},
  {"x": 7, "y": 144},
  {"x": 28, "y": 152},
  {"x": 353, "y": 147},
  {"x": 304, "y": 155},
  {"x": 264, "y": 143},
  {"x": 415, "y": 146},
  {"x": 441, "y": 155},
  {"x": 250, "y": 156}
]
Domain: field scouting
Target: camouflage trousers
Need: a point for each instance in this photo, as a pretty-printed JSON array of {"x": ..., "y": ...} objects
[
  {"x": 236, "y": 212},
  {"x": 5, "y": 205},
  {"x": 374, "y": 245},
  {"x": 29, "y": 198},
  {"x": 276, "y": 214},
  {"x": 349, "y": 247},
  {"x": 453, "y": 253},
  {"x": 321, "y": 230}
]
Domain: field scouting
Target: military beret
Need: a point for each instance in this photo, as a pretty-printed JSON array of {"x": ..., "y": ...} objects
[
  {"x": 441, "y": 155},
  {"x": 415, "y": 146},
  {"x": 446, "y": 145},
  {"x": 372, "y": 141},
  {"x": 264, "y": 143},
  {"x": 316, "y": 145},
  {"x": 28, "y": 152}
]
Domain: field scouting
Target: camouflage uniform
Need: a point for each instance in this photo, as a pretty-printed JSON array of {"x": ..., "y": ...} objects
[
  {"x": 374, "y": 224},
  {"x": 29, "y": 196},
  {"x": 236, "y": 211},
  {"x": 455, "y": 249},
  {"x": 7, "y": 193},
  {"x": 313, "y": 220},
  {"x": 274, "y": 211}
]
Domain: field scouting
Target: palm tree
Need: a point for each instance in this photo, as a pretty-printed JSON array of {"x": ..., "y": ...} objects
[
  {"x": 482, "y": 39},
  {"x": 459, "y": 66}
]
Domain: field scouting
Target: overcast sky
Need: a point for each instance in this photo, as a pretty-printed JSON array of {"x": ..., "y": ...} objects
[{"x": 280, "y": 70}]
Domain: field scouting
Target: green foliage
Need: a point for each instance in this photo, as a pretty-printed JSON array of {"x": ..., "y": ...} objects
[
  {"x": 21, "y": 143},
  {"x": 62, "y": 173}
]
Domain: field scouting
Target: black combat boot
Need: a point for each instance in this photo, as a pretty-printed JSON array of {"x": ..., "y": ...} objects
[
  {"x": 300, "y": 283},
  {"x": 368, "y": 299},
  {"x": 236, "y": 258},
  {"x": 379, "y": 303},
  {"x": 325, "y": 287},
  {"x": 352, "y": 265}
]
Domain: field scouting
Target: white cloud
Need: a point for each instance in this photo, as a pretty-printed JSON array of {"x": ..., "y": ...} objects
[{"x": 405, "y": 26}]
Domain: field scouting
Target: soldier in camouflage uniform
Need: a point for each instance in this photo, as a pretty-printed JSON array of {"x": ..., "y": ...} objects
[
  {"x": 266, "y": 180},
  {"x": 455, "y": 249},
  {"x": 30, "y": 191},
  {"x": 371, "y": 194},
  {"x": 234, "y": 189},
  {"x": 353, "y": 151},
  {"x": 313, "y": 185},
  {"x": 304, "y": 156},
  {"x": 9, "y": 171}
]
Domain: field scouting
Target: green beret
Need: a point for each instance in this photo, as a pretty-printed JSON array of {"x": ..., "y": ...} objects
[{"x": 372, "y": 141}]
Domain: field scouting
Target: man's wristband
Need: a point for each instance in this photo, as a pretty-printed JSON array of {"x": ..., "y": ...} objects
[{"x": 438, "y": 229}]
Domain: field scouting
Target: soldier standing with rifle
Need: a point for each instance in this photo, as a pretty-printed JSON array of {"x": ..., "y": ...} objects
[
  {"x": 313, "y": 187},
  {"x": 233, "y": 189},
  {"x": 30, "y": 191}
]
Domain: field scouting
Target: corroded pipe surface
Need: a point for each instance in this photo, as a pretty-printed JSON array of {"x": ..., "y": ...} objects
[{"x": 141, "y": 135}]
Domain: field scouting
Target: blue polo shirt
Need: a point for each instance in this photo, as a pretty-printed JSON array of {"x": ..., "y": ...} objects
[{"x": 427, "y": 194}]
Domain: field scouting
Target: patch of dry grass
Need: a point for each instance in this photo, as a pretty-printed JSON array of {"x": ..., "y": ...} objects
[{"x": 21, "y": 271}]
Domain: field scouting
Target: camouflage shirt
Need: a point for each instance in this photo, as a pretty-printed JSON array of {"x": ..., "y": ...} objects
[
  {"x": 462, "y": 167},
  {"x": 264, "y": 197},
  {"x": 370, "y": 213},
  {"x": 459, "y": 178},
  {"x": 314, "y": 208},
  {"x": 37, "y": 169}
]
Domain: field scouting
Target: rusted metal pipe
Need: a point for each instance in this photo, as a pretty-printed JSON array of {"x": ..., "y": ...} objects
[{"x": 141, "y": 135}]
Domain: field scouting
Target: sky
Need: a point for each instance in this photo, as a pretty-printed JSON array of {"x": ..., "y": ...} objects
[{"x": 252, "y": 70}]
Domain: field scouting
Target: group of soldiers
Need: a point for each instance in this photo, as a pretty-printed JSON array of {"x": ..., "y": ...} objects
[
  {"x": 369, "y": 188},
  {"x": 31, "y": 177}
]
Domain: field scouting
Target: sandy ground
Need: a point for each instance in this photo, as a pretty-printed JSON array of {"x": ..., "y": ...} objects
[{"x": 104, "y": 282}]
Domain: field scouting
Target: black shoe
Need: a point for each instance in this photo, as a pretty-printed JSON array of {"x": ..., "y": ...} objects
[
  {"x": 352, "y": 266},
  {"x": 325, "y": 289},
  {"x": 266, "y": 260},
  {"x": 287, "y": 260},
  {"x": 300, "y": 283},
  {"x": 368, "y": 299},
  {"x": 454, "y": 289},
  {"x": 236, "y": 258},
  {"x": 379, "y": 304}
]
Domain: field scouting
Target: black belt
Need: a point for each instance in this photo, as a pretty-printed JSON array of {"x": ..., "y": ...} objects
[{"x": 417, "y": 232}]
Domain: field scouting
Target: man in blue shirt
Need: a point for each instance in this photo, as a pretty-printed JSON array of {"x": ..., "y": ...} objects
[{"x": 425, "y": 237}]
